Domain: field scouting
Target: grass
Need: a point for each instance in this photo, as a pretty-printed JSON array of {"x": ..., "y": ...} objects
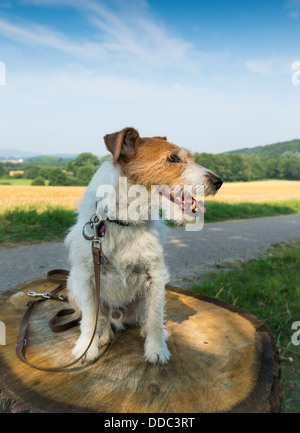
[
  {"x": 47, "y": 223},
  {"x": 269, "y": 288},
  {"x": 19, "y": 182},
  {"x": 221, "y": 211},
  {"x": 15, "y": 182}
]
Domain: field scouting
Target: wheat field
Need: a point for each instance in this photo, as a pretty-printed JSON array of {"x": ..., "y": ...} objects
[
  {"x": 68, "y": 196},
  {"x": 259, "y": 191},
  {"x": 38, "y": 196}
]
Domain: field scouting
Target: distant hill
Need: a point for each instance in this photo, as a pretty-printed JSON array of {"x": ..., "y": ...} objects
[
  {"x": 68, "y": 156},
  {"x": 275, "y": 149},
  {"x": 16, "y": 154}
]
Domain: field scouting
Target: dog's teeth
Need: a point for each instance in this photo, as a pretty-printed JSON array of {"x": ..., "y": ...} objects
[
  {"x": 197, "y": 197},
  {"x": 193, "y": 206}
]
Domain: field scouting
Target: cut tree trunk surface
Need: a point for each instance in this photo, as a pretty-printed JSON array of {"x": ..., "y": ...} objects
[{"x": 222, "y": 360}]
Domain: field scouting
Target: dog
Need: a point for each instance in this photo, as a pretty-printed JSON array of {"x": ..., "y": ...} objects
[{"x": 133, "y": 275}]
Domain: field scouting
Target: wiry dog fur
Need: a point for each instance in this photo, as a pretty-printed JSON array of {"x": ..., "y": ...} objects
[{"x": 133, "y": 275}]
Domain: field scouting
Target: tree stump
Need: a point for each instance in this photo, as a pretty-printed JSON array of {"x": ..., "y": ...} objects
[{"x": 223, "y": 360}]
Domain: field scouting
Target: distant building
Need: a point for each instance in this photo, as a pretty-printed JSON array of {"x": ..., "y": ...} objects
[{"x": 13, "y": 161}]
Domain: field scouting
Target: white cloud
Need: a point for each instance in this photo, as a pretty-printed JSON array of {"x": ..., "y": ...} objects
[
  {"x": 40, "y": 35},
  {"x": 261, "y": 67},
  {"x": 62, "y": 84},
  {"x": 72, "y": 110},
  {"x": 294, "y": 15},
  {"x": 293, "y": 3},
  {"x": 125, "y": 29},
  {"x": 293, "y": 8},
  {"x": 269, "y": 66}
]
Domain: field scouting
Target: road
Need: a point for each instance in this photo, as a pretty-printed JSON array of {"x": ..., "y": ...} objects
[{"x": 187, "y": 254}]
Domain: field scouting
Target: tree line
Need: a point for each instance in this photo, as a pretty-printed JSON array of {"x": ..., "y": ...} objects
[
  {"x": 233, "y": 167},
  {"x": 75, "y": 172},
  {"x": 236, "y": 167}
]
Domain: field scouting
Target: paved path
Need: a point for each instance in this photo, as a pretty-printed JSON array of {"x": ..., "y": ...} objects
[{"x": 187, "y": 253}]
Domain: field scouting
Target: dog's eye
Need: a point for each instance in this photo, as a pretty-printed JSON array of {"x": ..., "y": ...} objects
[{"x": 173, "y": 158}]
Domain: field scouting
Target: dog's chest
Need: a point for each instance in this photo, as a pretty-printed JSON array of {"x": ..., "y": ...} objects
[
  {"x": 126, "y": 270},
  {"x": 129, "y": 270},
  {"x": 123, "y": 280}
]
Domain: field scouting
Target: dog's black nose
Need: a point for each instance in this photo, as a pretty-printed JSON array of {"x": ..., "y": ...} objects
[{"x": 217, "y": 181}]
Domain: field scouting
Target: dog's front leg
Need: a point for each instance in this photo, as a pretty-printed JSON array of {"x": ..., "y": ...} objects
[
  {"x": 156, "y": 349},
  {"x": 82, "y": 291}
]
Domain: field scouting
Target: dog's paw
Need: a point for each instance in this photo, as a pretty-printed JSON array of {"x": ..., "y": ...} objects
[
  {"x": 143, "y": 332},
  {"x": 82, "y": 344},
  {"x": 157, "y": 353},
  {"x": 106, "y": 337}
]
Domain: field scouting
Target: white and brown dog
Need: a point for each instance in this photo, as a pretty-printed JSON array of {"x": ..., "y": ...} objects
[{"x": 133, "y": 275}]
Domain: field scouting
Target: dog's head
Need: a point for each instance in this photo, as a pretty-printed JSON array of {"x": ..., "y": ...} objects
[{"x": 154, "y": 161}]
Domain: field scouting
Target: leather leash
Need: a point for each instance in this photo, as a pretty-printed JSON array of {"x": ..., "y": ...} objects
[{"x": 97, "y": 260}]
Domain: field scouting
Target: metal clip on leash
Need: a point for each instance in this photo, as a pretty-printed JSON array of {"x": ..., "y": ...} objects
[
  {"x": 93, "y": 231},
  {"x": 48, "y": 295}
]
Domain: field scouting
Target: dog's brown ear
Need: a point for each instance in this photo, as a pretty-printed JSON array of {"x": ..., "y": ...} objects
[{"x": 121, "y": 143}]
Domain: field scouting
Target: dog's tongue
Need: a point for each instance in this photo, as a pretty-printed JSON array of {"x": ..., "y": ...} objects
[{"x": 200, "y": 206}]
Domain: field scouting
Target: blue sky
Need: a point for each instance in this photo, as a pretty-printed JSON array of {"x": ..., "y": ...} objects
[{"x": 211, "y": 75}]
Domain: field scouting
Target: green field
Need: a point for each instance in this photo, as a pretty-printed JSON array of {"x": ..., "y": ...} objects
[
  {"x": 17, "y": 182},
  {"x": 220, "y": 211}
]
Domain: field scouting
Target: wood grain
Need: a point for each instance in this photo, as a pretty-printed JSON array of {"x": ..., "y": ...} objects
[{"x": 223, "y": 360}]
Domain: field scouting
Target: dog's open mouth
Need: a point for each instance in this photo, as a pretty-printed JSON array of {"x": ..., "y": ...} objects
[{"x": 189, "y": 203}]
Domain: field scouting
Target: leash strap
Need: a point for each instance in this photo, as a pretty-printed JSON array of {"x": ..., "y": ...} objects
[
  {"x": 65, "y": 326},
  {"x": 61, "y": 280}
]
